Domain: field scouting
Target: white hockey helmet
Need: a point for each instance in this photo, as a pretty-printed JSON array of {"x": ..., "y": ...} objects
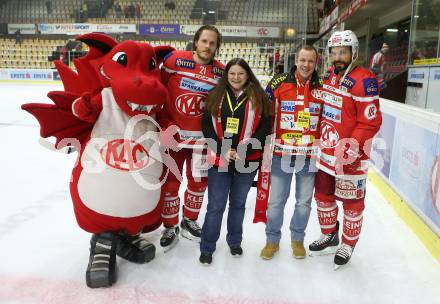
[{"x": 344, "y": 38}]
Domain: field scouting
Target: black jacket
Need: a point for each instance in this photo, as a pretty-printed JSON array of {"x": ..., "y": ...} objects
[{"x": 260, "y": 133}]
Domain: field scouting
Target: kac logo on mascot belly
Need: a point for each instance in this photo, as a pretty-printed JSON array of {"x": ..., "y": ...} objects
[
  {"x": 191, "y": 104},
  {"x": 125, "y": 155}
]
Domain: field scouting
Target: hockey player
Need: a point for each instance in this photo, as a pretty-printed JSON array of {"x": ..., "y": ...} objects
[
  {"x": 350, "y": 119},
  {"x": 190, "y": 75}
]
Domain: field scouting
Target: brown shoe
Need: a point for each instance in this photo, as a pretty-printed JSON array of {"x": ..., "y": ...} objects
[
  {"x": 269, "y": 250},
  {"x": 298, "y": 250}
]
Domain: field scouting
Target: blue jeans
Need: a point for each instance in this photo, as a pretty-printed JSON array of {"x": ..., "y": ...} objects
[
  {"x": 220, "y": 186},
  {"x": 281, "y": 177}
]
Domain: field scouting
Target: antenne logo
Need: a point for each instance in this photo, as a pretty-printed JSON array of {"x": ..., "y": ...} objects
[
  {"x": 191, "y": 104},
  {"x": 125, "y": 155}
]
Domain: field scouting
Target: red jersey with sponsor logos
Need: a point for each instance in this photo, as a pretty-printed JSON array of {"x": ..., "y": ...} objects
[
  {"x": 188, "y": 84},
  {"x": 350, "y": 111},
  {"x": 298, "y": 113}
]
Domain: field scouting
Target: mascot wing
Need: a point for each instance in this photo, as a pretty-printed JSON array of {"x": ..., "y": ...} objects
[{"x": 58, "y": 120}]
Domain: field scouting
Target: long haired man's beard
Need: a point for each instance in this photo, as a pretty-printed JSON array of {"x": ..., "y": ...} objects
[{"x": 344, "y": 67}]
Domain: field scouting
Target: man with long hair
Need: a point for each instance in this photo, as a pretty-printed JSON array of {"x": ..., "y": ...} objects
[{"x": 189, "y": 75}]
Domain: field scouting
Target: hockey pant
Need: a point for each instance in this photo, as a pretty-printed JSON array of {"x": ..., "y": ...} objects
[
  {"x": 197, "y": 184},
  {"x": 351, "y": 193}
]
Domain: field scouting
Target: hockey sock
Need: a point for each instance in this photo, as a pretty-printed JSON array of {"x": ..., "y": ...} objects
[
  {"x": 352, "y": 226},
  {"x": 327, "y": 216},
  {"x": 193, "y": 203},
  {"x": 170, "y": 213}
]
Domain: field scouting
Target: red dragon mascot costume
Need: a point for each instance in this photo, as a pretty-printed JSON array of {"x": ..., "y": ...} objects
[{"x": 107, "y": 112}]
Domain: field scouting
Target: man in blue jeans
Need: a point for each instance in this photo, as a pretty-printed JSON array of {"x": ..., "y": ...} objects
[{"x": 297, "y": 106}]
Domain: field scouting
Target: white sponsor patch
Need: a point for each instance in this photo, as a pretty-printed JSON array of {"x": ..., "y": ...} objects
[
  {"x": 332, "y": 99},
  {"x": 314, "y": 123},
  {"x": 307, "y": 139},
  {"x": 287, "y": 122},
  {"x": 288, "y": 106},
  {"x": 195, "y": 86},
  {"x": 191, "y": 135},
  {"x": 350, "y": 189}
]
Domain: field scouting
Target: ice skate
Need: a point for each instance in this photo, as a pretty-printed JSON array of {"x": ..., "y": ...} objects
[
  {"x": 191, "y": 230},
  {"x": 326, "y": 244},
  {"x": 343, "y": 255},
  {"x": 169, "y": 238}
]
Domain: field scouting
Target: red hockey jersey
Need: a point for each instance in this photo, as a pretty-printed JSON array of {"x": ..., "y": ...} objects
[
  {"x": 298, "y": 113},
  {"x": 188, "y": 84},
  {"x": 350, "y": 115}
]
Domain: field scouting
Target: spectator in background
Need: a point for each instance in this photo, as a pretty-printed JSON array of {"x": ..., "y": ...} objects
[
  {"x": 17, "y": 36},
  {"x": 118, "y": 10},
  {"x": 277, "y": 56},
  {"x": 131, "y": 10},
  {"x": 49, "y": 6},
  {"x": 126, "y": 11},
  {"x": 270, "y": 60},
  {"x": 377, "y": 65},
  {"x": 85, "y": 11},
  {"x": 108, "y": 4},
  {"x": 138, "y": 10},
  {"x": 64, "y": 55},
  {"x": 80, "y": 15},
  {"x": 378, "y": 60},
  {"x": 170, "y": 5},
  {"x": 279, "y": 68}
]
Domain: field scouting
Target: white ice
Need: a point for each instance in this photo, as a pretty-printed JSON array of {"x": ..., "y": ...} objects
[{"x": 44, "y": 254}]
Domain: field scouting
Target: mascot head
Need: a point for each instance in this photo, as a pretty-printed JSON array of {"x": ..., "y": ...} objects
[{"x": 130, "y": 69}]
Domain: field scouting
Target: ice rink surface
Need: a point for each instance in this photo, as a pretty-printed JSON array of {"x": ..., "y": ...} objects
[{"x": 44, "y": 254}]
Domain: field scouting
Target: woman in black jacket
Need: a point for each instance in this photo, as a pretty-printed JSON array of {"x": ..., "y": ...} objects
[{"x": 235, "y": 124}]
